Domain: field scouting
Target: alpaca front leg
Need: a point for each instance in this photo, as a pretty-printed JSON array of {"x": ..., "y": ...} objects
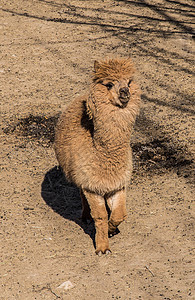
[
  {"x": 117, "y": 205},
  {"x": 100, "y": 216}
]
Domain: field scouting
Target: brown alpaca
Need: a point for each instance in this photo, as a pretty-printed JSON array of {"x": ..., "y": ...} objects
[{"x": 92, "y": 145}]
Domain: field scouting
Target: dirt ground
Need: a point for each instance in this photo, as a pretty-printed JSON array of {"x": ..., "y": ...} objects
[{"x": 47, "y": 54}]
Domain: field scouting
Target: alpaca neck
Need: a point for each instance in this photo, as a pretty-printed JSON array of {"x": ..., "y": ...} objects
[{"x": 111, "y": 134}]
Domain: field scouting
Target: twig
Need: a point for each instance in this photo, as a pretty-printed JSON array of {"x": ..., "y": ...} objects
[
  {"x": 149, "y": 271},
  {"x": 49, "y": 289},
  {"x": 54, "y": 293}
]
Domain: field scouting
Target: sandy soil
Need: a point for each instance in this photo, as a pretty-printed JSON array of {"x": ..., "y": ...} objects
[{"x": 47, "y": 54}]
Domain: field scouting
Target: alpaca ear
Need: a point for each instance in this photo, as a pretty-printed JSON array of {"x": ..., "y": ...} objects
[
  {"x": 90, "y": 106},
  {"x": 96, "y": 65}
]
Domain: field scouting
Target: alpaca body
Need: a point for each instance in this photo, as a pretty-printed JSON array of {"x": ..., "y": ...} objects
[
  {"x": 90, "y": 164},
  {"x": 92, "y": 145}
]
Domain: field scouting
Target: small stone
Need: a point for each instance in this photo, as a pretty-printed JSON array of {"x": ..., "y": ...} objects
[{"x": 66, "y": 285}]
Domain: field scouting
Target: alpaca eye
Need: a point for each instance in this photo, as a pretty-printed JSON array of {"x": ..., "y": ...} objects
[
  {"x": 109, "y": 85},
  {"x": 129, "y": 82}
]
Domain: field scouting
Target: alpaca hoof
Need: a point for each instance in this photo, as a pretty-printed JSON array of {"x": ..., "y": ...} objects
[{"x": 100, "y": 252}]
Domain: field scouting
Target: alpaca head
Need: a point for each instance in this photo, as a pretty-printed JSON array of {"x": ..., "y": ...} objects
[{"x": 114, "y": 79}]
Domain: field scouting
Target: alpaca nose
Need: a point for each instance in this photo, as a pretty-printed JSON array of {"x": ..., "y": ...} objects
[{"x": 124, "y": 90}]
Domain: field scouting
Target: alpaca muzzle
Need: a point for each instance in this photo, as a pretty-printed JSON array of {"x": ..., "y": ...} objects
[{"x": 124, "y": 95}]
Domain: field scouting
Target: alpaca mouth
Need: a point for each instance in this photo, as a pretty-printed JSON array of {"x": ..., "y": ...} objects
[{"x": 124, "y": 99}]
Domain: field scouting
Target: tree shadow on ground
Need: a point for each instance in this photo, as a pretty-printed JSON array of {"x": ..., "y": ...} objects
[
  {"x": 171, "y": 20},
  {"x": 158, "y": 152}
]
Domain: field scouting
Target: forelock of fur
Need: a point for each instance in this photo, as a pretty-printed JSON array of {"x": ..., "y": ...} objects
[{"x": 113, "y": 69}]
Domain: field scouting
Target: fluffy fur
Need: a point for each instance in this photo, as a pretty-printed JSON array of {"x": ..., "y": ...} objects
[{"x": 92, "y": 144}]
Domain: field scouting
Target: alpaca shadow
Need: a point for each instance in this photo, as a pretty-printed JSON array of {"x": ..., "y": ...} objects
[{"x": 64, "y": 198}]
